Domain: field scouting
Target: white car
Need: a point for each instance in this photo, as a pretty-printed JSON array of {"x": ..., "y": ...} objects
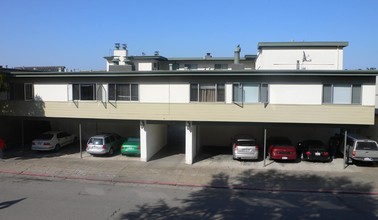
[{"x": 52, "y": 140}]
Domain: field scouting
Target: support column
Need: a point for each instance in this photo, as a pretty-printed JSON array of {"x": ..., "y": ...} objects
[
  {"x": 190, "y": 142},
  {"x": 153, "y": 137},
  {"x": 143, "y": 141}
]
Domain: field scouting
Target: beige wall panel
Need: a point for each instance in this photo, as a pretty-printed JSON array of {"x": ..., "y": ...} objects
[{"x": 318, "y": 114}]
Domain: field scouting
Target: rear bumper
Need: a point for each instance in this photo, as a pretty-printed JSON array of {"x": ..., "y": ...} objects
[
  {"x": 97, "y": 151},
  {"x": 130, "y": 152},
  {"x": 252, "y": 156},
  {"x": 283, "y": 156},
  {"x": 366, "y": 159},
  {"x": 42, "y": 148},
  {"x": 316, "y": 158}
]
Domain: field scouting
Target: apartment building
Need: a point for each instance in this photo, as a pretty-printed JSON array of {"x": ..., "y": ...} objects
[{"x": 297, "y": 89}]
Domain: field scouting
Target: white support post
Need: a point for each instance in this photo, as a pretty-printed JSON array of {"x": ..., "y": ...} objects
[{"x": 190, "y": 142}]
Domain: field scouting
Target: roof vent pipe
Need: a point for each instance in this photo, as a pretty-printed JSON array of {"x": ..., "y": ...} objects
[{"x": 237, "y": 55}]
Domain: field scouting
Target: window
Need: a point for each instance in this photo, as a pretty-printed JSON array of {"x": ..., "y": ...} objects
[
  {"x": 84, "y": 91},
  {"x": 207, "y": 92},
  {"x": 250, "y": 93},
  {"x": 29, "y": 91},
  {"x": 221, "y": 66},
  {"x": 123, "y": 92},
  {"x": 342, "y": 94},
  {"x": 191, "y": 66}
]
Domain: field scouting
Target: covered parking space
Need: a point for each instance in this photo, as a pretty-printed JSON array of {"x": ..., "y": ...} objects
[
  {"x": 211, "y": 139},
  {"x": 20, "y": 131}
]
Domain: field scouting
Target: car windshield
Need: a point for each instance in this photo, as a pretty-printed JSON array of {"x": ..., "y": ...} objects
[
  {"x": 368, "y": 145},
  {"x": 245, "y": 142},
  {"x": 45, "y": 136},
  {"x": 133, "y": 140},
  {"x": 97, "y": 141}
]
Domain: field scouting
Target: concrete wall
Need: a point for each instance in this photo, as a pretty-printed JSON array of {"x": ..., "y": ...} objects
[{"x": 153, "y": 138}]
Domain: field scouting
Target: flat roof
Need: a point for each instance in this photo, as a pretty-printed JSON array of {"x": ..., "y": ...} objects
[
  {"x": 303, "y": 44},
  {"x": 178, "y": 73}
]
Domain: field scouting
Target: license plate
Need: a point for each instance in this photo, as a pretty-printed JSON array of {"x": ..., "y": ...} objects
[
  {"x": 317, "y": 153},
  {"x": 284, "y": 158},
  {"x": 367, "y": 159}
]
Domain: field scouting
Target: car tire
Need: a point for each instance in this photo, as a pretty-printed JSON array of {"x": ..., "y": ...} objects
[
  {"x": 111, "y": 151},
  {"x": 57, "y": 147}
]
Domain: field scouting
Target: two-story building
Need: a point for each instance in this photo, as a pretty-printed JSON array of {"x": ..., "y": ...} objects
[{"x": 295, "y": 89}]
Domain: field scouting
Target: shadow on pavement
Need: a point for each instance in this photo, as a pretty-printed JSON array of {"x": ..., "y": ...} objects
[
  {"x": 24, "y": 153},
  {"x": 272, "y": 195}
]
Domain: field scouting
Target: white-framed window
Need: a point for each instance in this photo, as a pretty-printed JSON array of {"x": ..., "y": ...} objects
[
  {"x": 207, "y": 92},
  {"x": 28, "y": 91},
  {"x": 342, "y": 94},
  {"x": 248, "y": 92},
  {"x": 84, "y": 91},
  {"x": 123, "y": 92}
]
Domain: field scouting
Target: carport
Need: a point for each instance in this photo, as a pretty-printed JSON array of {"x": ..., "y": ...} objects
[{"x": 218, "y": 135}]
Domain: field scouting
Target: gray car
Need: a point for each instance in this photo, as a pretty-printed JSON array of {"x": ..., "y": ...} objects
[
  {"x": 359, "y": 148},
  {"x": 245, "y": 147},
  {"x": 104, "y": 144}
]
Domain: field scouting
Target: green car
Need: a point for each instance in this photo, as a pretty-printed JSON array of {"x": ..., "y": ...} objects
[{"x": 131, "y": 147}]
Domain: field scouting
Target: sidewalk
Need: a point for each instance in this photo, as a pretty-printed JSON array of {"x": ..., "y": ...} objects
[{"x": 215, "y": 171}]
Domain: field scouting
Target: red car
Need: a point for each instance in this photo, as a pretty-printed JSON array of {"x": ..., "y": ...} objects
[{"x": 281, "y": 148}]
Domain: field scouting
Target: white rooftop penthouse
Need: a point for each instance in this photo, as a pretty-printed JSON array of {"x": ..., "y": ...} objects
[{"x": 300, "y": 55}]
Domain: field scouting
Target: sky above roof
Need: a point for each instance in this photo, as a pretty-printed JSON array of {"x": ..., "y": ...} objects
[{"x": 78, "y": 34}]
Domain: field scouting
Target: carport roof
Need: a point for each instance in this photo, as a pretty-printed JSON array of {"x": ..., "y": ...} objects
[{"x": 178, "y": 73}]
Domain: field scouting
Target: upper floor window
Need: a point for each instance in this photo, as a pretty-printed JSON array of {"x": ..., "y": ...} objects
[
  {"x": 123, "y": 92},
  {"x": 221, "y": 66},
  {"x": 207, "y": 92},
  {"x": 250, "y": 93},
  {"x": 28, "y": 91},
  {"x": 191, "y": 66},
  {"x": 342, "y": 94},
  {"x": 84, "y": 91}
]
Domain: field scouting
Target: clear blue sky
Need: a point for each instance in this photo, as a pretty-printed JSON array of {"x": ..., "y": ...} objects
[{"x": 78, "y": 34}]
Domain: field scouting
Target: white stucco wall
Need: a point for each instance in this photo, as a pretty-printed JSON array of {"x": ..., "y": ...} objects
[
  {"x": 153, "y": 138},
  {"x": 190, "y": 143},
  {"x": 228, "y": 91},
  {"x": 164, "y": 93},
  {"x": 51, "y": 92},
  {"x": 295, "y": 94},
  {"x": 368, "y": 95},
  {"x": 286, "y": 59}
]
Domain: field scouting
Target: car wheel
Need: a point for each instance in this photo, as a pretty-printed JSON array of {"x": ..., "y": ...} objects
[
  {"x": 57, "y": 147},
  {"x": 111, "y": 151}
]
